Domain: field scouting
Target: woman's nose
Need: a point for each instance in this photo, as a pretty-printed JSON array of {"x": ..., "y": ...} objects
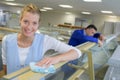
[{"x": 29, "y": 26}]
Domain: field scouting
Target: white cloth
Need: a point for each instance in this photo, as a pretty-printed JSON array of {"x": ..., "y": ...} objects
[
  {"x": 49, "y": 43},
  {"x": 23, "y": 54}
]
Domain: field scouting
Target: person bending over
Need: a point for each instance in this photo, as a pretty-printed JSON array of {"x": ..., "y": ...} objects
[{"x": 79, "y": 37}]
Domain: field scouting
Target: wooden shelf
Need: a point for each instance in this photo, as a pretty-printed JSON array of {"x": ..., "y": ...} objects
[
  {"x": 69, "y": 26},
  {"x": 7, "y": 30}
]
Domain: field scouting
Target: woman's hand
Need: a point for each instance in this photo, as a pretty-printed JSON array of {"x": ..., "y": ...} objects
[
  {"x": 67, "y": 56},
  {"x": 46, "y": 62}
]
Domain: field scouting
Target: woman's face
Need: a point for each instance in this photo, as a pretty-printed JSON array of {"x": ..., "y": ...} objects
[{"x": 29, "y": 23}]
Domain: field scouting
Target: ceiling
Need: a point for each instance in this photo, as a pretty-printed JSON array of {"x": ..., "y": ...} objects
[{"x": 78, "y": 5}]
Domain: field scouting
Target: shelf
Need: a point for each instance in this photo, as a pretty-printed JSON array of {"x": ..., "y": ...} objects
[{"x": 70, "y": 26}]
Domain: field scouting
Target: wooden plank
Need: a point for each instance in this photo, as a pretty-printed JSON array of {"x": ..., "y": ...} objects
[
  {"x": 32, "y": 75},
  {"x": 27, "y": 74},
  {"x": 1, "y": 36},
  {"x": 2, "y": 74},
  {"x": 9, "y": 29},
  {"x": 88, "y": 65},
  {"x": 78, "y": 72},
  {"x": 86, "y": 46},
  {"x": 14, "y": 74}
]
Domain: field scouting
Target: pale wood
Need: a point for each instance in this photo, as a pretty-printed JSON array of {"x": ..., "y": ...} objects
[
  {"x": 26, "y": 73},
  {"x": 78, "y": 72},
  {"x": 69, "y": 26},
  {"x": 1, "y": 36},
  {"x": 86, "y": 46},
  {"x": 31, "y": 75},
  {"x": 2, "y": 74},
  {"x": 17, "y": 73},
  {"x": 8, "y": 29},
  {"x": 88, "y": 65}
]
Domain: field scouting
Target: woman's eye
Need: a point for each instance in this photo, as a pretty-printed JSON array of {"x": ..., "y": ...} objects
[
  {"x": 34, "y": 23},
  {"x": 25, "y": 21}
]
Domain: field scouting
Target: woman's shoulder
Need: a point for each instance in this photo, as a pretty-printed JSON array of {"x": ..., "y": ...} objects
[
  {"x": 45, "y": 37},
  {"x": 42, "y": 35},
  {"x": 38, "y": 35},
  {"x": 10, "y": 36}
]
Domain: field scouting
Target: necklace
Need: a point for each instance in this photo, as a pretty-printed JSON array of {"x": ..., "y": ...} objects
[{"x": 24, "y": 41}]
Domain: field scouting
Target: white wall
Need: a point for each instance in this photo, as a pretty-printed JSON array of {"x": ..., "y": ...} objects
[
  {"x": 99, "y": 20},
  {"x": 59, "y": 18},
  {"x": 55, "y": 18}
]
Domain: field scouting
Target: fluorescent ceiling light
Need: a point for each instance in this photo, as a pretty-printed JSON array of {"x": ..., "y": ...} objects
[
  {"x": 92, "y": 0},
  {"x": 12, "y": 4},
  {"x": 65, "y": 6},
  {"x": 85, "y": 12},
  {"x": 108, "y": 12},
  {"x": 18, "y": 11},
  {"x": 113, "y": 16},
  {"x": 43, "y": 10},
  {"x": 68, "y": 13},
  {"x": 9, "y": 0},
  {"x": 47, "y": 8}
]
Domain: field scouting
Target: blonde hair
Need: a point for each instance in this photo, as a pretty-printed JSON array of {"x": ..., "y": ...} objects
[{"x": 30, "y": 8}]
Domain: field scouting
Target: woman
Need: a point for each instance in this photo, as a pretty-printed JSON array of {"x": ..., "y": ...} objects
[{"x": 19, "y": 49}]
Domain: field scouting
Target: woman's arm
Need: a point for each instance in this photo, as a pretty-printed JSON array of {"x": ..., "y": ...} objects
[
  {"x": 66, "y": 52},
  {"x": 67, "y": 56},
  {"x": 60, "y": 47}
]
